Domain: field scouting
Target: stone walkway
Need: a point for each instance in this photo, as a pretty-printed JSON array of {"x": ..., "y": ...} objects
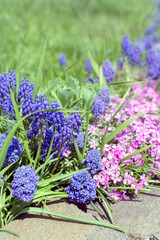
[{"x": 141, "y": 216}]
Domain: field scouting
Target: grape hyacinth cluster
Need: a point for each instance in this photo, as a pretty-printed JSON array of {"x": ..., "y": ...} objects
[
  {"x": 25, "y": 97},
  {"x": 82, "y": 188},
  {"x": 146, "y": 45},
  {"x": 43, "y": 124},
  {"x": 88, "y": 66},
  {"x": 14, "y": 151},
  {"x": 108, "y": 71},
  {"x": 101, "y": 101},
  {"x": 93, "y": 161},
  {"x": 80, "y": 137},
  {"x": 153, "y": 64},
  {"x": 98, "y": 107},
  {"x": 25, "y": 182},
  {"x": 62, "y": 60},
  {"x": 7, "y": 83},
  {"x": 46, "y": 141},
  {"x": 45, "y": 119},
  {"x": 119, "y": 63},
  {"x": 129, "y": 51},
  {"x": 71, "y": 126}
]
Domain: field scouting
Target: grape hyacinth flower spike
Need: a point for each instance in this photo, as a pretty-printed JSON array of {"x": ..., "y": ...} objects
[
  {"x": 82, "y": 188},
  {"x": 88, "y": 66},
  {"x": 62, "y": 60},
  {"x": 93, "y": 161},
  {"x": 14, "y": 151},
  {"x": 108, "y": 71},
  {"x": 25, "y": 182}
]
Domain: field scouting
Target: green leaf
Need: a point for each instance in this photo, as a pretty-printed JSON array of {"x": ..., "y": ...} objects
[
  {"x": 131, "y": 188},
  {"x": 122, "y": 126},
  {"x": 94, "y": 64},
  {"x": 4, "y": 170},
  {"x": 65, "y": 95},
  {"x": 102, "y": 81},
  {"x": 108, "y": 195},
  {"x": 88, "y": 95},
  {"x": 126, "y": 83},
  {"x": 9, "y": 231},
  {"x": 118, "y": 109},
  {"x": 136, "y": 152},
  {"x": 92, "y": 222},
  {"x": 107, "y": 206},
  {"x": 80, "y": 158},
  {"x": 39, "y": 74},
  {"x": 96, "y": 209},
  {"x": 45, "y": 182},
  {"x": 21, "y": 126},
  {"x": 53, "y": 84}
]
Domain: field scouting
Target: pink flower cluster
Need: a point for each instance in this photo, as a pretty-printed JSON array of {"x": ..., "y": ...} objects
[{"x": 143, "y": 131}]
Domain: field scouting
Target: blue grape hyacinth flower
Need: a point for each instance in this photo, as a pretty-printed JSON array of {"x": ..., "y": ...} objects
[
  {"x": 14, "y": 151},
  {"x": 62, "y": 60},
  {"x": 108, "y": 71},
  {"x": 93, "y": 161},
  {"x": 98, "y": 107},
  {"x": 82, "y": 188},
  {"x": 25, "y": 182},
  {"x": 88, "y": 66}
]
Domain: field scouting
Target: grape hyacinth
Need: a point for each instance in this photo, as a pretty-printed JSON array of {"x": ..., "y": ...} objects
[
  {"x": 104, "y": 95},
  {"x": 88, "y": 66},
  {"x": 91, "y": 80},
  {"x": 80, "y": 137},
  {"x": 46, "y": 140},
  {"x": 25, "y": 182},
  {"x": 151, "y": 29},
  {"x": 119, "y": 63},
  {"x": 82, "y": 188},
  {"x": 148, "y": 42},
  {"x": 62, "y": 60},
  {"x": 93, "y": 161},
  {"x": 134, "y": 55},
  {"x": 52, "y": 119},
  {"x": 14, "y": 151},
  {"x": 131, "y": 52},
  {"x": 71, "y": 126},
  {"x": 108, "y": 71},
  {"x": 153, "y": 62},
  {"x": 98, "y": 107},
  {"x": 125, "y": 45},
  {"x": 25, "y": 97},
  {"x": 7, "y": 82}
]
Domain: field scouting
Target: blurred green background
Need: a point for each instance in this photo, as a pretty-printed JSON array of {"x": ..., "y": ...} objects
[{"x": 71, "y": 27}]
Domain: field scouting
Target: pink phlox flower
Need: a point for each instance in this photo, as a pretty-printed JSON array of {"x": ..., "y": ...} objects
[
  {"x": 93, "y": 144},
  {"x": 116, "y": 177},
  {"x": 127, "y": 178},
  {"x": 144, "y": 179},
  {"x": 139, "y": 162},
  {"x": 92, "y": 129},
  {"x": 66, "y": 152},
  {"x": 116, "y": 195}
]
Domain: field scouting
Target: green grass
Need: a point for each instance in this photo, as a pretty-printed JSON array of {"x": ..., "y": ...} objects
[{"x": 71, "y": 27}]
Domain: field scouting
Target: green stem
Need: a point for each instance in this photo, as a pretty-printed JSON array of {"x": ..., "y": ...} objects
[
  {"x": 38, "y": 152},
  {"x": 57, "y": 160},
  {"x": 86, "y": 133}
]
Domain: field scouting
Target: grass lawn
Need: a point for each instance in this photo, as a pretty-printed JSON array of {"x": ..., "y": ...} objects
[{"x": 71, "y": 27}]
